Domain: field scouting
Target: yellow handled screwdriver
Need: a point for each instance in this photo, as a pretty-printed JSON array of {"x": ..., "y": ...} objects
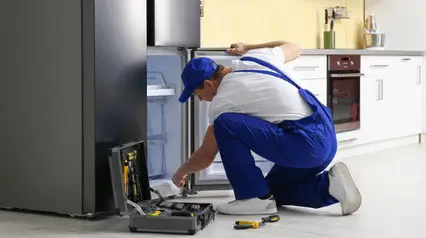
[
  {"x": 240, "y": 225},
  {"x": 243, "y": 225}
]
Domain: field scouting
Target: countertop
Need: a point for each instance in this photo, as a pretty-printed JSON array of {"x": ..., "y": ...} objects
[
  {"x": 345, "y": 52},
  {"x": 360, "y": 52}
]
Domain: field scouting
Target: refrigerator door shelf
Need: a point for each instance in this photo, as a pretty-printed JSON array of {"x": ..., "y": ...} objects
[
  {"x": 167, "y": 121},
  {"x": 160, "y": 91}
]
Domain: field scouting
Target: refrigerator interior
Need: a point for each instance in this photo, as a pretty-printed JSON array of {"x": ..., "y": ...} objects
[
  {"x": 215, "y": 175},
  {"x": 165, "y": 117}
]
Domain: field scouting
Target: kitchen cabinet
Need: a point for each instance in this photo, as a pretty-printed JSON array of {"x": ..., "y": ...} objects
[
  {"x": 377, "y": 98},
  {"x": 391, "y": 97},
  {"x": 408, "y": 95},
  {"x": 310, "y": 71}
]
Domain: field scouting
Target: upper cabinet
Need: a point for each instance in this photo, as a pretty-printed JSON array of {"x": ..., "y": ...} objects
[{"x": 224, "y": 22}]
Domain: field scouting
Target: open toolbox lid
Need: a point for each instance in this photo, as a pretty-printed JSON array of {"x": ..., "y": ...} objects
[{"x": 117, "y": 155}]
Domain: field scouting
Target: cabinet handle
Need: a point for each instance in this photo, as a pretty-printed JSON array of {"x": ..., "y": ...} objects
[
  {"x": 378, "y": 90},
  {"x": 379, "y": 65},
  {"x": 306, "y": 67},
  {"x": 348, "y": 140},
  {"x": 406, "y": 59},
  {"x": 346, "y": 75},
  {"x": 419, "y": 73}
]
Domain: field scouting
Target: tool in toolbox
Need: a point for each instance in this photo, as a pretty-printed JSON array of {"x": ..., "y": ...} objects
[
  {"x": 242, "y": 225},
  {"x": 132, "y": 195}
]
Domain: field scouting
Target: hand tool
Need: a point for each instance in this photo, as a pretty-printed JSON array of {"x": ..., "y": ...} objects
[
  {"x": 179, "y": 206},
  {"x": 249, "y": 225},
  {"x": 240, "y": 225},
  {"x": 271, "y": 219},
  {"x": 154, "y": 214},
  {"x": 194, "y": 207},
  {"x": 158, "y": 194},
  {"x": 182, "y": 214}
]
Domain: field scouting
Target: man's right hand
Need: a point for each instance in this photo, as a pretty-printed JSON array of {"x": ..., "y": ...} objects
[
  {"x": 238, "y": 48},
  {"x": 179, "y": 178}
]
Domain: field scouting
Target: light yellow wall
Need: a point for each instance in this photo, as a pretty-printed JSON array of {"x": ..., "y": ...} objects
[{"x": 254, "y": 21}]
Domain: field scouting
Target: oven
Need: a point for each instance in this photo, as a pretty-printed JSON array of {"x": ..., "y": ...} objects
[{"x": 343, "y": 91}]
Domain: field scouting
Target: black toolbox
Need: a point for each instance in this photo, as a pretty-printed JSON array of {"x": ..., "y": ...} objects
[{"x": 132, "y": 196}]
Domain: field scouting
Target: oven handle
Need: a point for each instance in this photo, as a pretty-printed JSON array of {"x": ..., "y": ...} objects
[{"x": 346, "y": 75}]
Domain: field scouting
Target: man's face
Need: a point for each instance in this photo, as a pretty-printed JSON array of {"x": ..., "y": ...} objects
[{"x": 207, "y": 91}]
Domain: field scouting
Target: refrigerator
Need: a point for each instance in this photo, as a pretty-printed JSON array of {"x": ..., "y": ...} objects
[
  {"x": 72, "y": 86},
  {"x": 175, "y": 130}
]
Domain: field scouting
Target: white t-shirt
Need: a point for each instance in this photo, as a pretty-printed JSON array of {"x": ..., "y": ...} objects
[{"x": 259, "y": 95}]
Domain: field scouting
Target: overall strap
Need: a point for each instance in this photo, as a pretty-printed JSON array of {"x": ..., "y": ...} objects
[{"x": 277, "y": 73}]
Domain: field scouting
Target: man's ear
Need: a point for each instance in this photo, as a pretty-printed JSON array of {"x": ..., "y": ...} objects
[{"x": 208, "y": 83}]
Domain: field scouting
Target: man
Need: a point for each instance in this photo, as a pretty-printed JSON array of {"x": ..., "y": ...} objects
[{"x": 256, "y": 107}]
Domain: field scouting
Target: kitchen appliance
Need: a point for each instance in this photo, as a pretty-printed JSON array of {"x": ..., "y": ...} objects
[
  {"x": 344, "y": 76},
  {"x": 373, "y": 39},
  {"x": 175, "y": 130},
  {"x": 370, "y": 24},
  {"x": 78, "y": 93},
  {"x": 173, "y": 30}
]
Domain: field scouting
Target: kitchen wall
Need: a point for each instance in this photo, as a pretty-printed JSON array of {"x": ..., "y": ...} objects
[{"x": 254, "y": 21}]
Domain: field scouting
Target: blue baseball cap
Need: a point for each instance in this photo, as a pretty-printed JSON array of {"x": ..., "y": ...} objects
[{"x": 194, "y": 74}]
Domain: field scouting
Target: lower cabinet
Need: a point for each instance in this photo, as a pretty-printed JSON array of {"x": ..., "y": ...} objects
[
  {"x": 391, "y": 97},
  {"x": 408, "y": 94}
]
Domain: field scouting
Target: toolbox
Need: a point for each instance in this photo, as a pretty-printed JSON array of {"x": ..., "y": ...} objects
[{"x": 132, "y": 196}]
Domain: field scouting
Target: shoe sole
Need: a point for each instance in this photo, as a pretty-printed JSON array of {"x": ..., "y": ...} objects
[
  {"x": 263, "y": 212},
  {"x": 353, "y": 196}
]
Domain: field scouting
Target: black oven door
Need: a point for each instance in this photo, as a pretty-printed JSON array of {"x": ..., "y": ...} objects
[{"x": 344, "y": 99}]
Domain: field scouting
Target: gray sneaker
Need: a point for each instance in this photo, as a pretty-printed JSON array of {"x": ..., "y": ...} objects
[{"x": 343, "y": 188}]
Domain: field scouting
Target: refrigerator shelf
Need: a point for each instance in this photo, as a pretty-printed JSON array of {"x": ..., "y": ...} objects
[
  {"x": 160, "y": 91},
  {"x": 157, "y": 138}
]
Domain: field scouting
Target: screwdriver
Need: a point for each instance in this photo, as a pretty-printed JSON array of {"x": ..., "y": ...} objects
[
  {"x": 269, "y": 219},
  {"x": 241, "y": 225}
]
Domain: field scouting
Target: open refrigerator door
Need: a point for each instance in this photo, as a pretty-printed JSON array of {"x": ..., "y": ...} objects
[{"x": 167, "y": 120}]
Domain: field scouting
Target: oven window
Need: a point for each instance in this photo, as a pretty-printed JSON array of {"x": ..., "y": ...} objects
[{"x": 345, "y": 106}]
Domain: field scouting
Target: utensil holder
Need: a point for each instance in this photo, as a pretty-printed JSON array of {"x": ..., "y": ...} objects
[{"x": 329, "y": 39}]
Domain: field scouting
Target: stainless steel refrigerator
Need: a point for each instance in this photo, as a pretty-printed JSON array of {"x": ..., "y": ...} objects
[{"x": 72, "y": 86}]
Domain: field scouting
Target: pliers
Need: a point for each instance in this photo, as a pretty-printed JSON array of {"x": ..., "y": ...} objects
[{"x": 242, "y": 225}]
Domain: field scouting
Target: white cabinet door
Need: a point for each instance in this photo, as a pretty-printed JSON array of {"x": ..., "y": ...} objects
[
  {"x": 377, "y": 98},
  {"x": 310, "y": 71},
  {"x": 408, "y": 96}
]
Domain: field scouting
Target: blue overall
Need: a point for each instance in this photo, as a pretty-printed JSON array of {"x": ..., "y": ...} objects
[{"x": 300, "y": 151}]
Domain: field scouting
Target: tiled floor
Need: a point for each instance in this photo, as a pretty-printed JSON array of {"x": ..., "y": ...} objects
[{"x": 393, "y": 184}]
